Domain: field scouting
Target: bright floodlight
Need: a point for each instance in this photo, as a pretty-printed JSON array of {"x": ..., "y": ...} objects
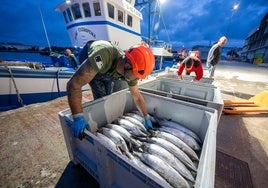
[
  {"x": 68, "y": 1},
  {"x": 162, "y": 1},
  {"x": 235, "y": 7}
]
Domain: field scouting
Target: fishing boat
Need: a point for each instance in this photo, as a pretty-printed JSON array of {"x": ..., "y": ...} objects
[
  {"x": 23, "y": 85},
  {"x": 116, "y": 21}
]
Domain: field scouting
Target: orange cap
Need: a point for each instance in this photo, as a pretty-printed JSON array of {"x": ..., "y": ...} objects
[{"x": 142, "y": 60}]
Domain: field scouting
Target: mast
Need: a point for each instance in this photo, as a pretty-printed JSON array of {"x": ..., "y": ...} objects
[{"x": 44, "y": 26}]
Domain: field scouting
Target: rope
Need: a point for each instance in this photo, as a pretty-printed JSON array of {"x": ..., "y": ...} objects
[
  {"x": 15, "y": 86},
  {"x": 58, "y": 84}
]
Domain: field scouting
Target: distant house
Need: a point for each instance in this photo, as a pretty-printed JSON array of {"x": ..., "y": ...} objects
[{"x": 255, "y": 49}]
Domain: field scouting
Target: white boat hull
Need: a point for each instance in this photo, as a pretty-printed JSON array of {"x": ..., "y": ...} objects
[{"x": 23, "y": 86}]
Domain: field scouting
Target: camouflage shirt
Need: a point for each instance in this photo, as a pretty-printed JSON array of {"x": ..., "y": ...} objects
[{"x": 104, "y": 58}]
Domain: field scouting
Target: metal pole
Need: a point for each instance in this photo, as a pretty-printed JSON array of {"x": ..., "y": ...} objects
[
  {"x": 44, "y": 26},
  {"x": 149, "y": 23},
  {"x": 234, "y": 8}
]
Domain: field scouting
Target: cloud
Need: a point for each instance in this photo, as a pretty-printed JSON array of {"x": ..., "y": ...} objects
[{"x": 182, "y": 23}]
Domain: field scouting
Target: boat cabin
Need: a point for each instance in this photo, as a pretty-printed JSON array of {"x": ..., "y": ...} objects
[{"x": 113, "y": 20}]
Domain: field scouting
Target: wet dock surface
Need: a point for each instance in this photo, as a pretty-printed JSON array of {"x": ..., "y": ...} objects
[{"x": 34, "y": 154}]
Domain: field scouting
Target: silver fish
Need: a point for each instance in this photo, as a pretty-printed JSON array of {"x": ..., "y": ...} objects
[
  {"x": 136, "y": 116},
  {"x": 177, "y": 152},
  {"x": 169, "y": 158},
  {"x": 125, "y": 134},
  {"x": 148, "y": 170},
  {"x": 178, "y": 126},
  {"x": 115, "y": 137},
  {"x": 135, "y": 122},
  {"x": 130, "y": 127},
  {"x": 190, "y": 141},
  {"x": 179, "y": 143},
  {"x": 164, "y": 169},
  {"x": 108, "y": 142}
]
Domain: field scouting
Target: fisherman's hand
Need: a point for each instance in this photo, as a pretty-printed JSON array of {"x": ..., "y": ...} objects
[
  {"x": 147, "y": 122},
  {"x": 79, "y": 125}
]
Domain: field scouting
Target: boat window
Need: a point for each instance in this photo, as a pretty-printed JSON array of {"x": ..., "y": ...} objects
[
  {"x": 120, "y": 16},
  {"x": 86, "y": 9},
  {"x": 69, "y": 14},
  {"x": 110, "y": 10},
  {"x": 76, "y": 11},
  {"x": 65, "y": 16},
  {"x": 97, "y": 9},
  {"x": 129, "y": 20}
]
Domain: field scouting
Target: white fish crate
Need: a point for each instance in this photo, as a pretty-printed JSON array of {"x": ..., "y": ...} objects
[
  {"x": 206, "y": 95},
  {"x": 172, "y": 73},
  {"x": 111, "y": 169}
]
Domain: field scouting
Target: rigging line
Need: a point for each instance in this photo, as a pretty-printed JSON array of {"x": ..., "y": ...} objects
[
  {"x": 160, "y": 13},
  {"x": 156, "y": 11},
  {"x": 44, "y": 26}
]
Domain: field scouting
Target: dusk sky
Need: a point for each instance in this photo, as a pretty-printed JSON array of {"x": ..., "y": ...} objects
[{"x": 185, "y": 23}]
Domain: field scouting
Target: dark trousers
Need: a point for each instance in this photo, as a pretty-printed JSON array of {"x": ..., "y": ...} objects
[{"x": 101, "y": 85}]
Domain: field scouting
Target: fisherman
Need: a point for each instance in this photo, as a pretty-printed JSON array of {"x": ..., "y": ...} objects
[
  {"x": 191, "y": 64},
  {"x": 214, "y": 56},
  {"x": 73, "y": 62},
  {"x": 104, "y": 59}
]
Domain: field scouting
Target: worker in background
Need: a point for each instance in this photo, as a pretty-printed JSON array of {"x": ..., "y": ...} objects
[
  {"x": 214, "y": 56},
  {"x": 181, "y": 56},
  {"x": 105, "y": 59},
  {"x": 73, "y": 62},
  {"x": 192, "y": 63}
]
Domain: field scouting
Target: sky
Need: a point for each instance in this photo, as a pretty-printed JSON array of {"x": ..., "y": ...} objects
[{"x": 183, "y": 23}]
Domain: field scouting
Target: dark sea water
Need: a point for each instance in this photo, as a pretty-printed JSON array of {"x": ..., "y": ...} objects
[{"x": 25, "y": 57}]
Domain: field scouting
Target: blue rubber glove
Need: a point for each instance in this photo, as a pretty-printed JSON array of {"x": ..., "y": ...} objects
[
  {"x": 79, "y": 125},
  {"x": 147, "y": 122}
]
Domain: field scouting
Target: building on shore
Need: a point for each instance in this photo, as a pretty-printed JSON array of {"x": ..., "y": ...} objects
[{"x": 255, "y": 49}]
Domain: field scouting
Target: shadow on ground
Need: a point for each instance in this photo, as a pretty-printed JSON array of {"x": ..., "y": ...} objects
[
  {"x": 236, "y": 139},
  {"x": 76, "y": 176}
]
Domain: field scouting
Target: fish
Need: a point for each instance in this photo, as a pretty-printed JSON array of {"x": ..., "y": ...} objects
[
  {"x": 115, "y": 137},
  {"x": 164, "y": 169},
  {"x": 125, "y": 134},
  {"x": 108, "y": 142},
  {"x": 135, "y": 122},
  {"x": 179, "y": 143},
  {"x": 175, "y": 125},
  {"x": 133, "y": 129},
  {"x": 136, "y": 161},
  {"x": 169, "y": 158},
  {"x": 190, "y": 141},
  {"x": 177, "y": 152},
  {"x": 136, "y": 116}
]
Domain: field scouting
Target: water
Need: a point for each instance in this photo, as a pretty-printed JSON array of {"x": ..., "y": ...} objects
[{"x": 25, "y": 57}]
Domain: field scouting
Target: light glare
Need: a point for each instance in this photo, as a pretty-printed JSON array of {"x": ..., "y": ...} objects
[{"x": 235, "y": 7}]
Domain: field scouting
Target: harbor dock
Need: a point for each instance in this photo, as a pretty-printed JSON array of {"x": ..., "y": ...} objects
[{"x": 34, "y": 154}]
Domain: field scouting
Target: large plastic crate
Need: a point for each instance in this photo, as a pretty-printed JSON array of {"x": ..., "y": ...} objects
[
  {"x": 113, "y": 170},
  {"x": 206, "y": 95},
  {"x": 172, "y": 73}
]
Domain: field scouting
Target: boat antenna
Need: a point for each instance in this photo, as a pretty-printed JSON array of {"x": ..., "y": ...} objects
[{"x": 44, "y": 26}]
